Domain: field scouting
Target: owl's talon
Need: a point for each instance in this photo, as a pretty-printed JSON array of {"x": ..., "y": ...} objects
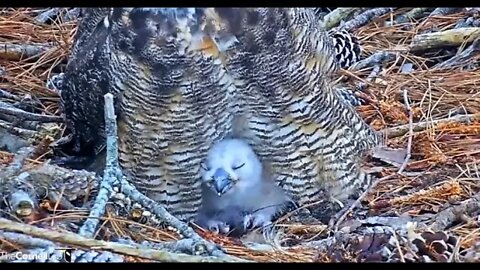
[
  {"x": 256, "y": 220},
  {"x": 218, "y": 227}
]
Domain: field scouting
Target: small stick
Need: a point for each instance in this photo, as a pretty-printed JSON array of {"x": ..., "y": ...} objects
[
  {"x": 344, "y": 212},
  {"x": 374, "y": 59},
  {"x": 8, "y": 95},
  {"x": 410, "y": 132},
  {"x": 24, "y": 134},
  {"x": 47, "y": 15},
  {"x": 420, "y": 126},
  {"x": 397, "y": 244},
  {"x": 373, "y": 74}
]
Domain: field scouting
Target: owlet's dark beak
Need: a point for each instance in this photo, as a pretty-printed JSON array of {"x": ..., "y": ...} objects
[{"x": 221, "y": 181}]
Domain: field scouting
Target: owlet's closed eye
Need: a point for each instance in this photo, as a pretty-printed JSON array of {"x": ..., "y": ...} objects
[{"x": 238, "y": 167}]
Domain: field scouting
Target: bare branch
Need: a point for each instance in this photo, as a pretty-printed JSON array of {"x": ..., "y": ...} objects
[
  {"x": 335, "y": 17},
  {"x": 23, "y": 115},
  {"x": 401, "y": 130},
  {"x": 76, "y": 240},
  {"x": 452, "y": 37},
  {"x": 462, "y": 58},
  {"x": 365, "y": 18}
]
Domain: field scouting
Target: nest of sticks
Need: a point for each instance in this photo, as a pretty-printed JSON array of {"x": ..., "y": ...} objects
[{"x": 419, "y": 82}]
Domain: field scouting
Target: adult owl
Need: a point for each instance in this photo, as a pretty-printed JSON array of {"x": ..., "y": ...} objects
[{"x": 184, "y": 78}]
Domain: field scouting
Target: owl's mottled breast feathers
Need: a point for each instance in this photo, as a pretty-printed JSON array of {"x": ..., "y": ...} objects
[{"x": 183, "y": 76}]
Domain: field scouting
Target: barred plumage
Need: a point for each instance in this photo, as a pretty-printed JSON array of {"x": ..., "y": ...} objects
[{"x": 186, "y": 78}]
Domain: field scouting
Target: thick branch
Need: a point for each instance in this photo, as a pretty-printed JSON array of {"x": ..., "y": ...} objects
[
  {"x": 413, "y": 14},
  {"x": 444, "y": 11},
  {"x": 462, "y": 58},
  {"x": 23, "y": 115},
  {"x": 365, "y": 18},
  {"x": 451, "y": 215},
  {"x": 76, "y": 240},
  {"x": 335, "y": 17},
  {"x": 17, "y": 52},
  {"x": 452, "y": 37},
  {"x": 25, "y": 240},
  {"x": 110, "y": 175}
]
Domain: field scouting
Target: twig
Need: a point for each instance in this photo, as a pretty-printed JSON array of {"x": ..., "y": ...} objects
[
  {"x": 335, "y": 17},
  {"x": 469, "y": 22},
  {"x": 461, "y": 58},
  {"x": 24, "y": 134},
  {"x": 455, "y": 252},
  {"x": 47, "y": 15},
  {"x": 335, "y": 223},
  {"x": 23, "y": 115},
  {"x": 168, "y": 218},
  {"x": 401, "y": 130},
  {"x": 71, "y": 15},
  {"x": 365, "y": 18},
  {"x": 13, "y": 122},
  {"x": 411, "y": 15},
  {"x": 443, "y": 11},
  {"x": 374, "y": 59},
  {"x": 111, "y": 173},
  {"x": 373, "y": 74},
  {"x": 410, "y": 132},
  {"x": 8, "y": 95},
  {"x": 17, "y": 52},
  {"x": 397, "y": 244},
  {"x": 452, "y": 37},
  {"x": 76, "y": 240}
]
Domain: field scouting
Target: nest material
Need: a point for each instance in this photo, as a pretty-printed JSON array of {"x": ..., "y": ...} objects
[{"x": 442, "y": 171}]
